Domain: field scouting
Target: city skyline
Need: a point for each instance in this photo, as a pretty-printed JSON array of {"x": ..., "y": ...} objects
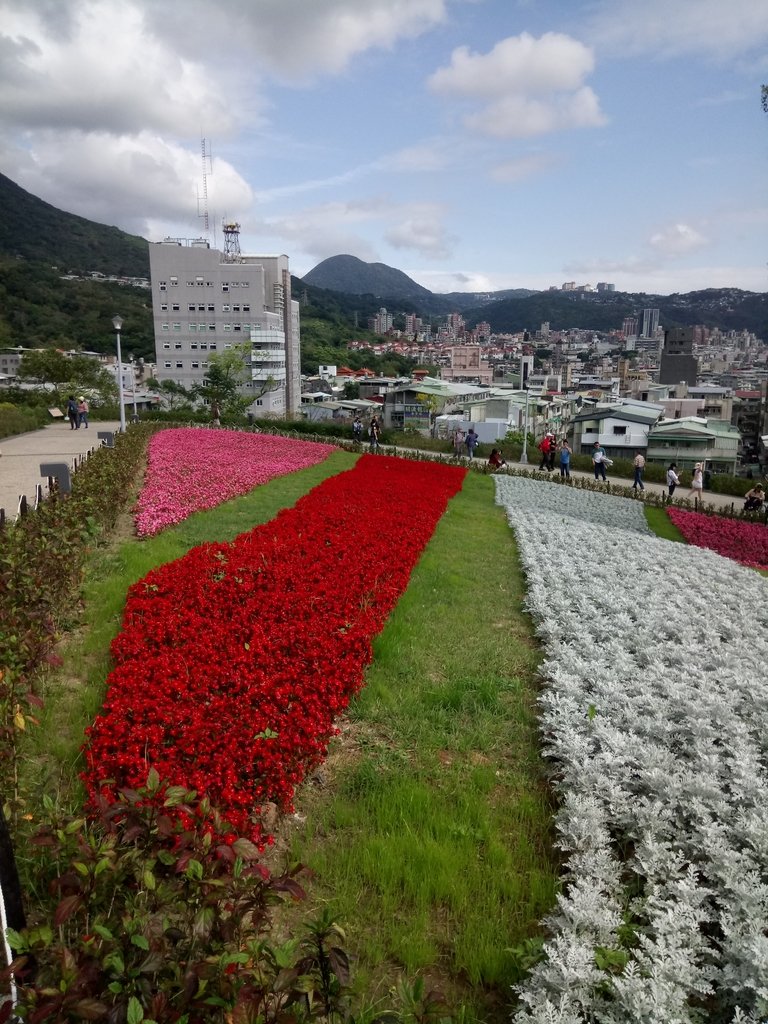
[{"x": 476, "y": 145}]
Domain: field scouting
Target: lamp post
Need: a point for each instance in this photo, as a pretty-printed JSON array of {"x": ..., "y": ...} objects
[{"x": 117, "y": 323}]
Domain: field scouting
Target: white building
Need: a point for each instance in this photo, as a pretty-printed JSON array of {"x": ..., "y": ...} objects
[{"x": 205, "y": 301}]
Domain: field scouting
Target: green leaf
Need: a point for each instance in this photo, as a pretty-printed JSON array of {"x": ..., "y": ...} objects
[
  {"x": 140, "y": 941},
  {"x": 16, "y": 941},
  {"x": 135, "y": 1011},
  {"x": 194, "y": 870},
  {"x": 149, "y": 881},
  {"x": 153, "y": 780},
  {"x": 175, "y": 795},
  {"x": 105, "y": 933}
]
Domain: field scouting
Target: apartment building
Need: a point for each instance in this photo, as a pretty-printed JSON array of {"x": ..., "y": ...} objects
[{"x": 205, "y": 301}]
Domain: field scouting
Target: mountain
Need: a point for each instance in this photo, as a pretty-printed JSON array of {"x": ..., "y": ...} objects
[
  {"x": 34, "y": 230},
  {"x": 351, "y": 275}
]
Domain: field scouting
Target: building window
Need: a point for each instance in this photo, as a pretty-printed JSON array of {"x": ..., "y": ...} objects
[
  {"x": 211, "y": 308},
  {"x": 201, "y": 308},
  {"x": 246, "y": 308},
  {"x": 244, "y": 284},
  {"x": 212, "y": 345},
  {"x": 205, "y": 365},
  {"x": 167, "y": 365},
  {"x": 227, "y": 327},
  {"x": 190, "y": 284},
  {"x": 191, "y": 307},
  {"x": 199, "y": 280},
  {"x": 236, "y": 308},
  {"x": 166, "y": 344},
  {"x": 165, "y": 327},
  {"x": 225, "y": 308},
  {"x": 193, "y": 345},
  {"x": 259, "y": 402},
  {"x": 179, "y": 365},
  {"x": 192, "y": 327},
  {"x": 174, "y": 280},
  {"x": 209, "y": 284},
  {"x": 195, "y": 366},
  {"x": 211, "y": 327},
  {"x": 620, "y": 430},
  {"x": 177, "y": 327},
  {"x": 238, "y": 327},
  {"x": 177, "y": 344},
  {"x": 175, "y": 307},
  {"x": 203, "y": 344},
  {"x": 164, "y": 307},
  {"x": 163, "y": 286},
  {"x": 225, "y": 286}
]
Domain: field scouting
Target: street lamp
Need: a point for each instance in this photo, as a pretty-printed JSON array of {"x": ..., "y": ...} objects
[
  {"x": 135, "y": 417},
  {"x": 524, "y": 453},
  {"x": 117, "y": 323}
]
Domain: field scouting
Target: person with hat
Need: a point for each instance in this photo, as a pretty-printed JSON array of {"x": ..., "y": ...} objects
[
  {"x": 547, "y": 449},
  {"x": 82, "y": 412},
  {"x": 599, "y": 460}
]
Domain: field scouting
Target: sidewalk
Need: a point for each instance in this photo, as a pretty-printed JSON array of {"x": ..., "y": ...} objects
[{"x": 22, "y": 455}]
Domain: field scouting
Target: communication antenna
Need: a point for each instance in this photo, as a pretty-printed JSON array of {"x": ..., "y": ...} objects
[
  {"x": 202, "y": 201},
  {"x": 231, "y": 231}
]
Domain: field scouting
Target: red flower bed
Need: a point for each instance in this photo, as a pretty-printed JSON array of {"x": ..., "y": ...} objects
[
  {"x": 191, "y": 468},
  {"x": 235, "y": 660},
  {"x": 742, "y": 541}
]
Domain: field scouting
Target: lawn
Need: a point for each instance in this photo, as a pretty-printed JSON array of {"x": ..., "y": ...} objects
[{"x": 430, "y": 833}]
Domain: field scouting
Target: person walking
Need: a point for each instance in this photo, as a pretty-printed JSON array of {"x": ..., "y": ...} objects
[
  {"x": 373, "y": 433},
  {"x": 546, "y": 447},
  {"x": 215, "y": 413},
  {"x": 471, "y": 442},
  {"x": 82, "y": 412},
  {"x": 72, "y": 413},
  {"x": 697, "y": 483},
  {"x": 672, "y": 479},
  {"x": 565, "y": 459},
  {"x": 458, "y": 442},
  {"x": 639, "y": 467},
  {"x": 357, "y": 428},
  {"x": 599, "y": 461}
]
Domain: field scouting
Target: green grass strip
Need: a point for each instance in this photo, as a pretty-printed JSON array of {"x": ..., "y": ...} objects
[
  {"x": 662, "y": 525},
  {"x": 433, "y": 837}
]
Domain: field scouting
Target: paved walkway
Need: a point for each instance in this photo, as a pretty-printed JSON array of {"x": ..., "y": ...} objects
[{"x": 22, "y": 455}]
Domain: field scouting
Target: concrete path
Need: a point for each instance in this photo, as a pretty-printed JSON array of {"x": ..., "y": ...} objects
[{"x": 22, "y": 455}]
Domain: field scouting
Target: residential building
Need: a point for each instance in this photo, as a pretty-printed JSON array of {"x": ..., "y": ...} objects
[
  {"x": 205, "y": 301},
  {"x": 621, "y": 428},
  {"x": 468, "y": 364},
  {"x": 650, "y": 323},
  {"x": 678, "y": 363},
  {"x": 692, "y": 439}
]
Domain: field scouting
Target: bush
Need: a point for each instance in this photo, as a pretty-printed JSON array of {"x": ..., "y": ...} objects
[{"x": 15, "y": 419}]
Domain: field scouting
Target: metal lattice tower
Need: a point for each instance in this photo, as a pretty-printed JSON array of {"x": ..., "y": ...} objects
[{"x": 232, "y": 252}]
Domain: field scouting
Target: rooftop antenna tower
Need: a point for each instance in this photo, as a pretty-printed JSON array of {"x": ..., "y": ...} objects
[
  {"x": 202, "y": 201},
  {"x": 232, "y": 252}
]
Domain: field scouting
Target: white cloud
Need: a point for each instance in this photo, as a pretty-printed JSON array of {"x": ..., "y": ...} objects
[
  {"x": 130, "y": 181},
  {"x": 677, "y": 239},
  {"x": 519, "y": 64},
  {"x": 295, "y": 39},
  {"x": 106, "y": 72},
  {"x": 424, "y": 234},
  {"x": 529, "y": 166},
  {"x": 658, "y": 27},
  {"x": 528, "y": 86}
]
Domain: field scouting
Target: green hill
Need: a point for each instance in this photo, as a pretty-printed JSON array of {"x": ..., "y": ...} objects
[{"x": 34, "y": 230}]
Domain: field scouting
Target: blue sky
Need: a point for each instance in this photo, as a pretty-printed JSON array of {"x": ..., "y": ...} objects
[{"x": 474, "y": 144}]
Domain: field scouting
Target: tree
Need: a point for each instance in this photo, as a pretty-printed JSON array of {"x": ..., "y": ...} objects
[
  {"x": 351, "y": 389},
  {"x": 175, "y": 396},
  {"x": 46, "y": 366}
]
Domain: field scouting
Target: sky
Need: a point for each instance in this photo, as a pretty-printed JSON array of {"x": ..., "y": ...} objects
[{"x": 475, "y": 145}]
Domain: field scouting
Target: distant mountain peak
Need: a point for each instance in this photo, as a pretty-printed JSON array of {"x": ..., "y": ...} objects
[{"x": 356, "y": 277}]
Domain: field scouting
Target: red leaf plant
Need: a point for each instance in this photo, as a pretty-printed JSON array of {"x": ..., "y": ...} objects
[
  {"x": 234, "y": 661},
  {"x": 734, "y": 538},
  {"x": 190, "y": 469}
]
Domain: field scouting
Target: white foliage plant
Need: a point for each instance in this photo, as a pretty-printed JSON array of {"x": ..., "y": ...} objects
[{"x": 654, "y": 718}]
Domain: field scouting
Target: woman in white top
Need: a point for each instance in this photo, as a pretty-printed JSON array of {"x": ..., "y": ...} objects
[
  {"x": 672, "y": 479},
  {"x": 697, "y": 483}
]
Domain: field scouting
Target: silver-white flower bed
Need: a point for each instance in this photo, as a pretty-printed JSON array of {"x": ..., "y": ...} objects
[{"x": 655, "y": 716}]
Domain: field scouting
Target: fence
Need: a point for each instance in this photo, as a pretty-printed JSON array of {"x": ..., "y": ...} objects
[{"x": 57, "y": 482}]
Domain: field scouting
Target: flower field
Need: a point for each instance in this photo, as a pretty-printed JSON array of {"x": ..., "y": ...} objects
[
  {"x": 235, "y": 660},
  {"x": 655, "y": 721},
  {"x": 742, "y": 541},
  {"x": 190, "y": 469}
]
